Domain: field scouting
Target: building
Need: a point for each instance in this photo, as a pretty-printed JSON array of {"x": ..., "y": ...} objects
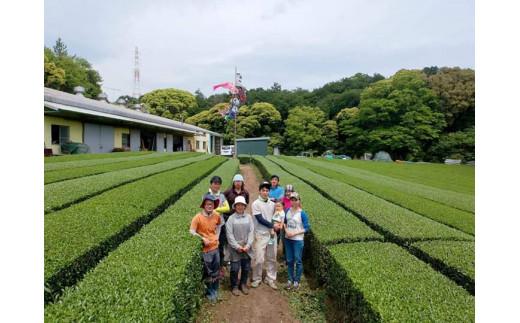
[
  {"x": 104, "y": 126},
  {"x": 252, "y": 146}
]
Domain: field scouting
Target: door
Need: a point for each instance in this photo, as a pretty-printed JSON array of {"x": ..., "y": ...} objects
[
  {"x": 99, "y": 138},
  {"x": 135, "y": 139}
]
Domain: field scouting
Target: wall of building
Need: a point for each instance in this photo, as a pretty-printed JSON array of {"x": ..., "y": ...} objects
[
  {"x": 118, "y": 136},
  {"x": 203, "y": 143},
  {"x": 75, "y": 131}
]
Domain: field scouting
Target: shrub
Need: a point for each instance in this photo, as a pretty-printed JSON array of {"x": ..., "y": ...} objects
[
  {"x": 78, "y": 237},
  {"x": 154, "y": 276},
  {"x": 65, "y": 193}
]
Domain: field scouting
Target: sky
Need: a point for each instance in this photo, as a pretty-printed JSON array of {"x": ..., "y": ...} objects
[{"x": 195, "y": 44}]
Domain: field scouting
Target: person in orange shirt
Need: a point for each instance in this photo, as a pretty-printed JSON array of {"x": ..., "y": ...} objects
[{"x": 206, "y": 225}]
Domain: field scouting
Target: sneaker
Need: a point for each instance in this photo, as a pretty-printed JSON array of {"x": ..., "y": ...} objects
[
  {"x": 244, "y": 289},
  {"x": 296, "y": 285},
  {"x": 235, "y": 291},
  {"x": 256, "y": 283},
  {"x": 272, "y": 284},
  {"x": 289, "y": 285}
]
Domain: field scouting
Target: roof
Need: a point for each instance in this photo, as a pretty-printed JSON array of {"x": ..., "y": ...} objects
[
  {"x": 58, "y": 100},
  {"x": 253, "y": 139}
]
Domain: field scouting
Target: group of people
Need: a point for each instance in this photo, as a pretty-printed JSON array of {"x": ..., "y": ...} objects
[{"x": 246, "y": 242}]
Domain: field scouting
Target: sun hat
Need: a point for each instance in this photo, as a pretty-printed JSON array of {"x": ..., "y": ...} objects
[
  {"x": 209, "y": 197},
  {"x": 239, "y": 200},
  {"x": 238, "y": 177},
  {"x": 265, "y": 184}
]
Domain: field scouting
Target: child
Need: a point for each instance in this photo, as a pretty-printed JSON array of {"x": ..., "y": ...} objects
[
  {"x": 206, "y": 225},
  {"x": 278, "y": 217}
]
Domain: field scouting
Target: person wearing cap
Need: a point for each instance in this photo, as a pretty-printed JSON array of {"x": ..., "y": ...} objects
[
  {"x": 286, "y": 200},
  {"x": 263, "y": 210},
  {"x": 296, "y": 225},
  {"x": 214, "y": 189},
  {"x": 206, "y": 226},
  {"x": 240, "y": 235},
  {"x": 276, "y": 192}
]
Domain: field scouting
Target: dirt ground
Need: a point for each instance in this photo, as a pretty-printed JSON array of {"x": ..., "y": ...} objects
[{"x": 263, "y": 304}]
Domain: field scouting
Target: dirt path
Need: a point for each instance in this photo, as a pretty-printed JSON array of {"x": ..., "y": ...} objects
[{"x": 263, "y": 304}]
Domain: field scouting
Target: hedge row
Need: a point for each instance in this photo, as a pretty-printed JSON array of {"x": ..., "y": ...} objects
[
  {"x": 400, "y": 193},
  {"x": 78, "y": 237},
  {"x": 459, "y": 256},
  {"x": 458, "y": 200},
  {"x": 62, "y": 194},
  {"x": 92, "y": 162},
  {"x": 457, "y": 178},
  {"x": 67, "y": 158},
  {"x": 153, "y": 277},
  {"x": 381, "y": 282},
  {"x": 396, "y": 222},
  {"x": 71, "y": 173},
  {"x": 330, "y": 222}
]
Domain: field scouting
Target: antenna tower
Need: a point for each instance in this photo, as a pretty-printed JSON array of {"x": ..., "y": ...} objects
[{"x": 137, "y": 81}]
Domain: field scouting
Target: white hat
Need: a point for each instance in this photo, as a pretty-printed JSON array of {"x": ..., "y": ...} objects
[
  {"x": 238, "y": 177},
  {"x": 239, "y": 199}
]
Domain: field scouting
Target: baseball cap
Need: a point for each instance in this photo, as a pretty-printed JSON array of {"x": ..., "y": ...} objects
[{"x": 264, "y": 184}]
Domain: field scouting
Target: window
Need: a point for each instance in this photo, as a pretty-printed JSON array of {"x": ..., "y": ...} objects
[
  {"x": 204, "y": 145},
  {"x": 125, "y": 140},
  {"x": 59, "y": 134},
  {"x": 198, "y": 145}
]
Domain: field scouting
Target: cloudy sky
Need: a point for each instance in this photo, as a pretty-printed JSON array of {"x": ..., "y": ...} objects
[{"x": 194, "y": 44}]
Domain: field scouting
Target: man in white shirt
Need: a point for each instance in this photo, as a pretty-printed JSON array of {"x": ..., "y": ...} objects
[{"x": 263, "y": 210}]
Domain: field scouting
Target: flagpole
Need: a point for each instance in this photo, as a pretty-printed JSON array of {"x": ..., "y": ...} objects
[{"x": 236, "y": 117}]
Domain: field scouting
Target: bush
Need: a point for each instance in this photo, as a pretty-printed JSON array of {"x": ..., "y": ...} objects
[
  {"x": 78, "y": 237},
  {"x": 70, "y": 173},
  {"x": 155, "y": 276},
  {"x": 379, "y": 281},
  {"x": 451, "y": 208},
  {"x": 385, "y": 216},
  {"x": 65, "y": 193}
]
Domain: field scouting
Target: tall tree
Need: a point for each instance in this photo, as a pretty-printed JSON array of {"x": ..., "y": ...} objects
[
  {"x": 170, "y": 103},
  {"x": 400, "y": 115},
  {"x": 77, "y": 71},
  {"x": 456, "y": 90},
  {"x": 303, "y": 129}
]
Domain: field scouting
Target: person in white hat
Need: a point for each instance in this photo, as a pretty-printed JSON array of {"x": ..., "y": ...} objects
[{"x": 240, "y": 236}]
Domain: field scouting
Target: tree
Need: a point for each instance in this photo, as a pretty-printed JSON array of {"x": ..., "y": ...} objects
[
  {"x": 399, "y": 115},
  {"x": 458, "y": 145},
  {"x": 128, "y": 100},
  {"x": 54, "y": 76},
  {"x": 202, "y": 102},
  {"x": 350, "y": 136},
  {"x": 456, "y": 89},
  {"x": 303, "y": 129},
  {"x": 170, "y": 103},
  {"x": 329, "y": 140},
  {"x": 77, "y": 71},
  {"x": 210, "y": 119},
  {"x": 60, "y": 49}
]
